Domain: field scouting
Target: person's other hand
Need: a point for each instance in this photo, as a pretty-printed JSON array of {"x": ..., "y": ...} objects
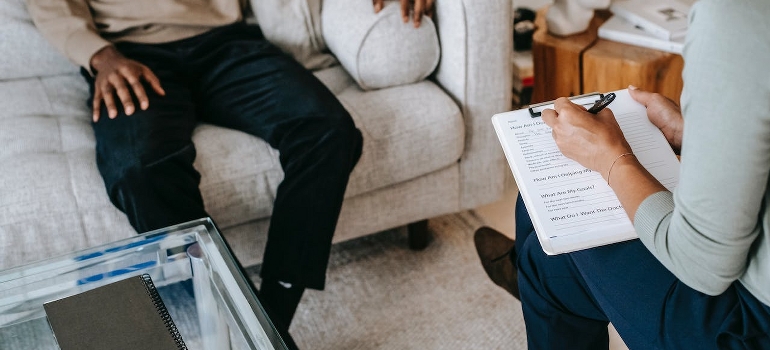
[
  {"x": 420, "y": 8},
  {"x": 119, "y": 76},
  {"x": 593, "y": 140},
  {"x": 664, "y": 113}
]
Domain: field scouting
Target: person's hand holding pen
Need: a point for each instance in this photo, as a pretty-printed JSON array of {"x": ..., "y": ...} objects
[{"x": 593, "y": 140}]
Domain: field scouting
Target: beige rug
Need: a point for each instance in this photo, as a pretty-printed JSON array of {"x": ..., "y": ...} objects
[{"x": 381, "y": 295}]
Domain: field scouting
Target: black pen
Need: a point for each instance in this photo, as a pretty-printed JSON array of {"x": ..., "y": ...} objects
[{"x": 601, "y": 103}]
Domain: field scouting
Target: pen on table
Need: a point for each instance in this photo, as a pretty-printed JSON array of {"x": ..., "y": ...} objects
[{"x": 601, "y": 103}]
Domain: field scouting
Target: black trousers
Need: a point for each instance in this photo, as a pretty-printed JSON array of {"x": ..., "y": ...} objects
[{"x": 232, "y": 77}]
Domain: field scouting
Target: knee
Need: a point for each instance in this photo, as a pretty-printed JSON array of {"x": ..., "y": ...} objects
[
  {"x": 335, "y": 133},
  {"x": 344, "y": 139},
  {"x": 126, "y": 176},
  {"x": 340, "y": 126}
]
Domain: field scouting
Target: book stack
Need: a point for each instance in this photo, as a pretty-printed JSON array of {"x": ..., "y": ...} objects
[{"x": 655, "y": 24}]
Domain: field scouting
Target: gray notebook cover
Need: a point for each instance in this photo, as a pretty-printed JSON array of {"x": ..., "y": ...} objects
[{"x": 127, "y": 314}]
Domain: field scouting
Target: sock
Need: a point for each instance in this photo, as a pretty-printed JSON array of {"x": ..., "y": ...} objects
[{"x": 280, "y": 300}]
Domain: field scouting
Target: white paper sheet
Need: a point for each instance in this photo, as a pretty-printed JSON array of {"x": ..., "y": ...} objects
[{"x": 572, "y": 207}]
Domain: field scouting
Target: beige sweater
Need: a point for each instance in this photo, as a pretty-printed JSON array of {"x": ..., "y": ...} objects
[{"x": 80, "y": 28}]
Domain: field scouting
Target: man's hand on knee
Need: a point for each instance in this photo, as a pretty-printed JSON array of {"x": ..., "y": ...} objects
[
  {"x": 420, "y": 7},
  {"x": 118, "y": 76}
]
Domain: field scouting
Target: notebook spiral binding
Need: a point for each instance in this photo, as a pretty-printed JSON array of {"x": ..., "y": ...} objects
[{"x": 163, "y": 312}]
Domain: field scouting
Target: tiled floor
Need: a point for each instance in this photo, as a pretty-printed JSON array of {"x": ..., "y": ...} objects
[{"x": 500, "y": 216}]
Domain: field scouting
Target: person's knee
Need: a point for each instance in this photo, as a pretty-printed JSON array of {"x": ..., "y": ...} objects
[
  {"x": 131, "y": 175},
  {"x": 342, "y": 125},
  {"x": 335, "y": 133}
]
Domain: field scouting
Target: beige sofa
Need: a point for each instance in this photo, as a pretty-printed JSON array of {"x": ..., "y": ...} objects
[{"x": 429, "y": 148}]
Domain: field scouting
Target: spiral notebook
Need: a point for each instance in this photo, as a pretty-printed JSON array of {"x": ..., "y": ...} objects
[{"x": 128, "y": 314}]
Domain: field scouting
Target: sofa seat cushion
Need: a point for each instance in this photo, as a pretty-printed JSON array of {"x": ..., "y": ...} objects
[
  {"x": 54, "y": 200},
  {"x": 409, "y": 130}
]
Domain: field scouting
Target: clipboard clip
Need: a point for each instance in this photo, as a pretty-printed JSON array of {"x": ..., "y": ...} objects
[{"x": 586, "y": 100}]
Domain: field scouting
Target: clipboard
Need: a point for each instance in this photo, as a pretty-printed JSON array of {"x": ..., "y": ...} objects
[
  {"x": 585, "y": 100},
  {"x": 572, "y": 208}
]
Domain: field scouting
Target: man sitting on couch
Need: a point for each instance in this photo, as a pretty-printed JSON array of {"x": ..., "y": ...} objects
[{"x": 171, "y": 64}]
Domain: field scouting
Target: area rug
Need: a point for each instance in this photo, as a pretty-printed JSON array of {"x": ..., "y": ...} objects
[{"x": 381, "y": 295}]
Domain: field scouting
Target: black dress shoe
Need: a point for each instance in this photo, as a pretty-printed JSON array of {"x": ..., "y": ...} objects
[{"x": 496, "y": 253}]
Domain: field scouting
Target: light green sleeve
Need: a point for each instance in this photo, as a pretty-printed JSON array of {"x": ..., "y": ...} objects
[{"x": 704, "y": 231}]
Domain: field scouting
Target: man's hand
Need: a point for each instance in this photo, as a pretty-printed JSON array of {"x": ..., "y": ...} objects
[
  {"x": 118, "y": 75},
  {"x": 421, "y": 7},
  {"x": 664, "y": 113}
]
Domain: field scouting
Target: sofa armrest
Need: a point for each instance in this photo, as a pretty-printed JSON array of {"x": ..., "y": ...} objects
[{"x": 475, "y": 69}]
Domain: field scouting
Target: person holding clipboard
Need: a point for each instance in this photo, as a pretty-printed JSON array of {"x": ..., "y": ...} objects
[{"x": 698, "y": 277}]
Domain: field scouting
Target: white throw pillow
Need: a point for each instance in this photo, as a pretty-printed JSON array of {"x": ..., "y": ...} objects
[
  {"x": 295, "y": 27},
  {"x": 24, "y": 52},
  {"x": 379, "y": 50}
]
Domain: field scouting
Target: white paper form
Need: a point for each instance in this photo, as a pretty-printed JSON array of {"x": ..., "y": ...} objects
[{"x": 572, "y": 207}]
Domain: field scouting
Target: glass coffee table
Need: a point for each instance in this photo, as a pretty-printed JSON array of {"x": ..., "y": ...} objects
[{"x": 205, "y": 292}]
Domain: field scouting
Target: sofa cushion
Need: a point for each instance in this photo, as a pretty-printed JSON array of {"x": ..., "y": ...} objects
[
  {"x": 409, "y": 130},
  {"x": 240, "y": 177},
  {"x": 379, "y": 50},
  {"x": 53, "y": 200},
  {"x": 32, "y": 55},
  {"x": 399, "y": 125}
]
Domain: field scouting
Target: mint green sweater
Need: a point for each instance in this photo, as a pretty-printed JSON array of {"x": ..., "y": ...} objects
[{"x": 713, "y": 230}]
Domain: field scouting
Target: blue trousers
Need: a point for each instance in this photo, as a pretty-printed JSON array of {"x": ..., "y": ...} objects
[
  {"x": 232, "y": 77},
  {"x": 569, "y": 299}
]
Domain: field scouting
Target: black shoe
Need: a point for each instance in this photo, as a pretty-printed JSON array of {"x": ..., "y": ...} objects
[
  {"x": 496, "y": 252},
  {"x": 282, "y": 329},
  {"x": 280, "y": 304},
  {"x": 287, "y": 339}
]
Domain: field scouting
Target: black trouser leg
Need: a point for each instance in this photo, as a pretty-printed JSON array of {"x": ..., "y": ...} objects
[
  {"x": 249, "y": 85},
  {"x": 234, "y": 78},
  {"x": 146, "y": 159}
]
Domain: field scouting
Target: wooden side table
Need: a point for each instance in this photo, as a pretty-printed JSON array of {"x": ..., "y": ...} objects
[{"x": 583, "y": 63}]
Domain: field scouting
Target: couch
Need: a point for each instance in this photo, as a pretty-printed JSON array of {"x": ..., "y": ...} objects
[{"x": 429, "y": 147}]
